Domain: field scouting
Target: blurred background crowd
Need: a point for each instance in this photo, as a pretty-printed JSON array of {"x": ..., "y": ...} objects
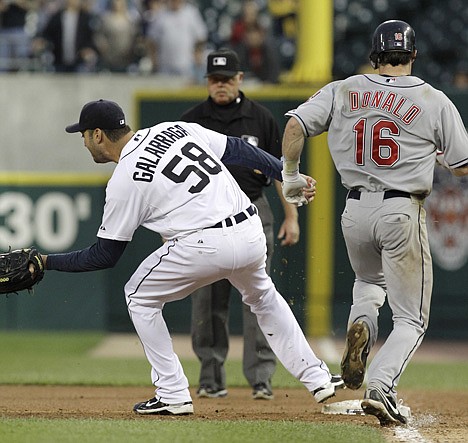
[{"x": 143, "y": 37}]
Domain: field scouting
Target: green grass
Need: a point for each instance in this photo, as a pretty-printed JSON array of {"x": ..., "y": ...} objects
[
  {"x": 436, "y": 376},
  {"x": 64, "y": 358},
  {"x": 181, "y": 431}
]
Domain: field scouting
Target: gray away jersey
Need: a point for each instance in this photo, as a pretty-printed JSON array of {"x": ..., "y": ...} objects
[{"x": 383, "y": 132}]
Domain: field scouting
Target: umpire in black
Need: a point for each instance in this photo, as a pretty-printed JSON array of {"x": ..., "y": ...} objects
[{"x": 229, "y": 111}]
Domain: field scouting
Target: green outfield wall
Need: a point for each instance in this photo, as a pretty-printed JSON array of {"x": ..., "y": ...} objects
[{"x": 55, "y": 213}]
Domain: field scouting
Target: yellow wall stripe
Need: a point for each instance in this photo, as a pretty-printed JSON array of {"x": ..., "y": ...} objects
[
  {"x": 320, "y": 240},
  {"x": 196, "y": 93},
  {"x": 314, "y": 54},
  {"x": 22, "y": 178}
]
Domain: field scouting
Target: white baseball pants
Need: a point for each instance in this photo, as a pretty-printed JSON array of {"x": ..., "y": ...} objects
[{"x": 181, "y": 266}]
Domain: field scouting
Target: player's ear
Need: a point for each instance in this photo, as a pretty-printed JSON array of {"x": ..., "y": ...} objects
[
  {"x": 98, "y": 135},
  {"x": 241, "y": 77}
]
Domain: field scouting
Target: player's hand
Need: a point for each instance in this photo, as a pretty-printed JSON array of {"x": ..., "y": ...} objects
[
  {"x": 310, "y": 191},
  {"x": 298, "y": 189},
  {"x": 289, "y": 232}
]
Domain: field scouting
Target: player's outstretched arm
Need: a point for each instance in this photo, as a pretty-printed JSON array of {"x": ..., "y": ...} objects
[
  {"x": 103, "y": 254},
  {"x": 293, "y": 144},
  {"x": 297, "y": 188},
  {"x": 238, "y": 152}
]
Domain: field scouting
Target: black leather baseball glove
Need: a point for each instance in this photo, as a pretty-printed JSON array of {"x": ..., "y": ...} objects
[{"x": 20, "y": 269}]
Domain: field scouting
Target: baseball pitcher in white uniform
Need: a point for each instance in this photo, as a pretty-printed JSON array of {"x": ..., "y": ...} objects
[
  {"x": 171, "y": 179},
  {"x": 384, "y": 132}
]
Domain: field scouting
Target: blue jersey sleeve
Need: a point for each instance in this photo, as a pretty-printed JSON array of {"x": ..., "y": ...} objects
[
  {"x": 103, "y": 254},
  {"x": 239, "y": 152}
]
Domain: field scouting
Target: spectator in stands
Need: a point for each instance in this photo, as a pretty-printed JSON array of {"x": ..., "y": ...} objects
[
  {"x": 69, "y": 33},
  {"x": 45, "y": 10},
  {"x": 118, "y": 37},
  {"x": 199, "y": 65},
  {"x": 151, "y": 9},
  {"x": 249, "y": 16},
  {"x": 258, "y": 55},
  {"x": 15, "y": 40},
  {"x": 174, "y": 35}
]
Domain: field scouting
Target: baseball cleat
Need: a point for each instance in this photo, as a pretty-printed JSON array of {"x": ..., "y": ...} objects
[
  {"x": 261, "y": 392},
  {"x": 337, "y": 381},
  {"x": 353, "y": 363},
  {"x": 156, "y": 407},
  {"x": 209, "y": 392},
  {"x": 327, "y": 391},
  {"x": 383, "y": 406}
]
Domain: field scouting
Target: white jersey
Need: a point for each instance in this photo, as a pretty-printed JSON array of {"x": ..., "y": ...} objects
[
  {"x": 170, "y": 180},
  {"x": 383, "y": 132}
]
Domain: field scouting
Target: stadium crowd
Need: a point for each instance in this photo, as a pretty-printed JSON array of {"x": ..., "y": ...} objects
[
  {"x": 133, "y": 36},
  {"x": 174, "y": 36}
]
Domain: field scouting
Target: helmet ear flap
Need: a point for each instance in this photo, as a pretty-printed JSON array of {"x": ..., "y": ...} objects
[{"x": 374, "y": 60}]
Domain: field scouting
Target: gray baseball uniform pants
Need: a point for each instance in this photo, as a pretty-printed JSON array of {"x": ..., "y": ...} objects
[
  {"x": 388, "y": 249},
  {"x": 210, "y": 329}
]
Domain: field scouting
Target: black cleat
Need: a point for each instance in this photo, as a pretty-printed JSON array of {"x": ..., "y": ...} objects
[
  {"x": 156, "y": 407},
  {"x": 382, "y": 406}
]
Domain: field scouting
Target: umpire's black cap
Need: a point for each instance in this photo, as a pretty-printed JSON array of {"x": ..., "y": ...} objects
[
  {"x": 102, "y": 114},
  {"x": 222, "y": 62}
]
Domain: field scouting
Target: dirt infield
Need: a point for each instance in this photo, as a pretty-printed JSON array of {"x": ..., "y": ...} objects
[{"x": 437, "y": 416}]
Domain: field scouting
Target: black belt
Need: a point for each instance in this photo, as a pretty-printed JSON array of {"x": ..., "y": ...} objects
[
  {"x": 356, "y": 195},
  {"x": 238, "y": 218}
]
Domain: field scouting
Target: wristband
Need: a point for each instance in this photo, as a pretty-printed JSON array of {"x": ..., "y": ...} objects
[
  {"x": 290, "y": 166},
  {"x": 291, "y": 177}
]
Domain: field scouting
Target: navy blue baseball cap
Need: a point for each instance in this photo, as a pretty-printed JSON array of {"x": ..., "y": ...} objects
[{"x": 102, "y": 114}]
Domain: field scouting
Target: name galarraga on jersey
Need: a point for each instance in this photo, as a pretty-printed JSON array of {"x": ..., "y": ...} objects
[
  {"x": 156, "y": 148},
  {"x": 396, "y": 105}
]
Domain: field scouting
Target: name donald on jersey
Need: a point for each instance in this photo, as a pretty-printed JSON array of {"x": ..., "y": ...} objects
[
  {"x": 157, "y": 147},
  {"x": 394, "y": 104}
]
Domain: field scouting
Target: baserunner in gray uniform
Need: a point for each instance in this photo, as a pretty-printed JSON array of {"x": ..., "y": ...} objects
[{"x": 384, "y": 131}]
